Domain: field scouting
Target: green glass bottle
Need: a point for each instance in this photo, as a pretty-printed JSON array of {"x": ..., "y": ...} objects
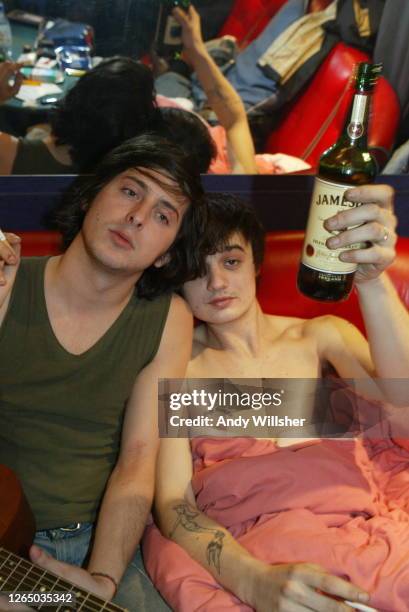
[
  {"x": 322, "y": 275},
  {"x": 168, "y": 35}
]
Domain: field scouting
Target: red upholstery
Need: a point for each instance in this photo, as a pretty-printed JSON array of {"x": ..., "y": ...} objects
[
  {"x": 40, "y": 243},
  {"x": 248, "y": 18},
  {"x": 326, "y": 99},
  {"x": 299, "y": 132},
  {"x": 277, "y": 289}
]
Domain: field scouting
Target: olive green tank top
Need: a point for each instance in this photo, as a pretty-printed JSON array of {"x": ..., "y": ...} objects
[
  {"x": 61, "y": 414},
  {"x": 33, "y": 157}
]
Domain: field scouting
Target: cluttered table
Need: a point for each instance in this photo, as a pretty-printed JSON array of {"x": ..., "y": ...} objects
[{"x": 35, "y": 99}]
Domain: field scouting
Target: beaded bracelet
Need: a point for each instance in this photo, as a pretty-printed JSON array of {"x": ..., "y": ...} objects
[{"x": 114, "y": 582}]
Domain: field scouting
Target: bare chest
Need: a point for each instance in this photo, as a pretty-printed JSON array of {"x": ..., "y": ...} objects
[
  {"x": 287, "y": 359},
  {"x": 78, "y": 334}
]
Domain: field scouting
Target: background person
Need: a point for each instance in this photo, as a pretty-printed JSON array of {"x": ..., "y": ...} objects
[
  {"x": 108, "y": 105},
  {"x": 233, "y": 149},
  {"x": 222, "y": 98},
  {"x": 275, "y": 66}
]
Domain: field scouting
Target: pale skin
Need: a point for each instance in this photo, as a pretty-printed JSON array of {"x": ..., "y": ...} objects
[
  {"x": 129, "y": 226},
  {"x": 221, "y": 96},
  {"x": 238, "y": 340}
]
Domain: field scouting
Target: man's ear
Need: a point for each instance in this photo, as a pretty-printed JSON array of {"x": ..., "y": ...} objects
[{"x": 162, "y": 260}]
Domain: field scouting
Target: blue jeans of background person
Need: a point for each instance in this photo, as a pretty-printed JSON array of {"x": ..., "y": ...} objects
[
  {"x": 252, "y": 85},
  {"x": 71, "y": 545},
  {"x": 245, "y": 76}
]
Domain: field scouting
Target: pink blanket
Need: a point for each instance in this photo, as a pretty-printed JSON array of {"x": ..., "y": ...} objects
[{"x": 342, "y": 504}]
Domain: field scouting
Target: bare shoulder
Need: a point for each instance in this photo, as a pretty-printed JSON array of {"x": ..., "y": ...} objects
[
  {"x": 342, "y": 344},
  {"x": 178, "y": 328},
  {"x": 179, "y": 319},
  {"x": 8, "y": 152},
  {"x": 330, "y": 326},
  {"x": 328, "y": 331},
  {"x": 179, "y": 309}
]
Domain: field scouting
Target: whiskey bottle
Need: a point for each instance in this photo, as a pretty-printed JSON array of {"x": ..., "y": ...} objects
[
  {"x": 322, "y": 275},
  {"x": 168, "y": 35}
]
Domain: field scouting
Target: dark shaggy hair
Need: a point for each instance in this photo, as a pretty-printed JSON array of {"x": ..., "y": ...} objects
[
  {"x": 146, "y": 152},
  {"x": 191, "y": 134},
  {"x": 108, "y": 105},
  {"x": 227, "y": 214}
]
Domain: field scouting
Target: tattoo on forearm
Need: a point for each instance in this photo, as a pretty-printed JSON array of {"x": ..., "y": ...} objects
[
  {"x": 187, "y": 519},
  {"x": 214, "y": 549}
]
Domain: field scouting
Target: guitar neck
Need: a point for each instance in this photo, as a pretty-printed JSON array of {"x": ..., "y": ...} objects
[{"x": 17, "y": 574}]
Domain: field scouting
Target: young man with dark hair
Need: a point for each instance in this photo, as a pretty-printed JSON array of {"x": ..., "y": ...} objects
[
  {"x": 212, "y": 491},
  {"x": 84, "y": 338},
  {"x": 108, "y": 105}
]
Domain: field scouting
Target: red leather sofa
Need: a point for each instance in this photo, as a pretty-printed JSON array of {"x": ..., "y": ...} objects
[
  {"x": 314, "y": 119},
  {"x": 278, "y": 294},
  {"x": 277, "y": 289},
  {"x": 248, "y": 18},
  {"x": 38, "y": 243}
]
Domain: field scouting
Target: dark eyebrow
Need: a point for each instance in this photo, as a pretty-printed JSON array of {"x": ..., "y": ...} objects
[
  {"x": 231, "y": 247},
  {"x": 145, "y": 188}
]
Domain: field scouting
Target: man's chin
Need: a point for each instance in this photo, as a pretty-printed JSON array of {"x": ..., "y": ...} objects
[
  {"x": 221, "y": 317},
  {"x": 117, "y": 266}
]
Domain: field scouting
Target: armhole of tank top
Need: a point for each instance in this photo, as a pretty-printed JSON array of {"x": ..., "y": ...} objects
[{"x": 159, "y": 331}]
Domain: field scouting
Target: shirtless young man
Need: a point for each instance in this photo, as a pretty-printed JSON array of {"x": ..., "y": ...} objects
[
  {"x": 238, "y": 340},
  {"x": 91, "y": 331}
]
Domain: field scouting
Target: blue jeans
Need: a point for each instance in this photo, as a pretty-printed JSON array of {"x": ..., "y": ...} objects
[
  {"x": 71, "y": 545},
  {"x": 254, "y": 87}
]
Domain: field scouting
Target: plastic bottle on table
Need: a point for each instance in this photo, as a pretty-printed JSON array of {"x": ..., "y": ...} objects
[{"x": 6, "y": 39}]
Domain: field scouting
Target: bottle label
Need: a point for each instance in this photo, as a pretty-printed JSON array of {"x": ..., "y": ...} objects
[
  {"x": 173, "y": 32},
  {"x": 355, "y": 128},
  {"x": 327, "y": 199}
]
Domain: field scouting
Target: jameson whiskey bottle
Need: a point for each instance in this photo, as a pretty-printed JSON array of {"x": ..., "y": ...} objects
[
  {"x": 322, "y": 275},
  {"x": 168, "y": 35}
]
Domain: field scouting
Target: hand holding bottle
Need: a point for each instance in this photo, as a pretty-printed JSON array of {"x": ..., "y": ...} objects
[
  {"x": 324, "y": 274},
  {"x": 191, "y": 31},
  {"x": 374, "y": 223}
]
